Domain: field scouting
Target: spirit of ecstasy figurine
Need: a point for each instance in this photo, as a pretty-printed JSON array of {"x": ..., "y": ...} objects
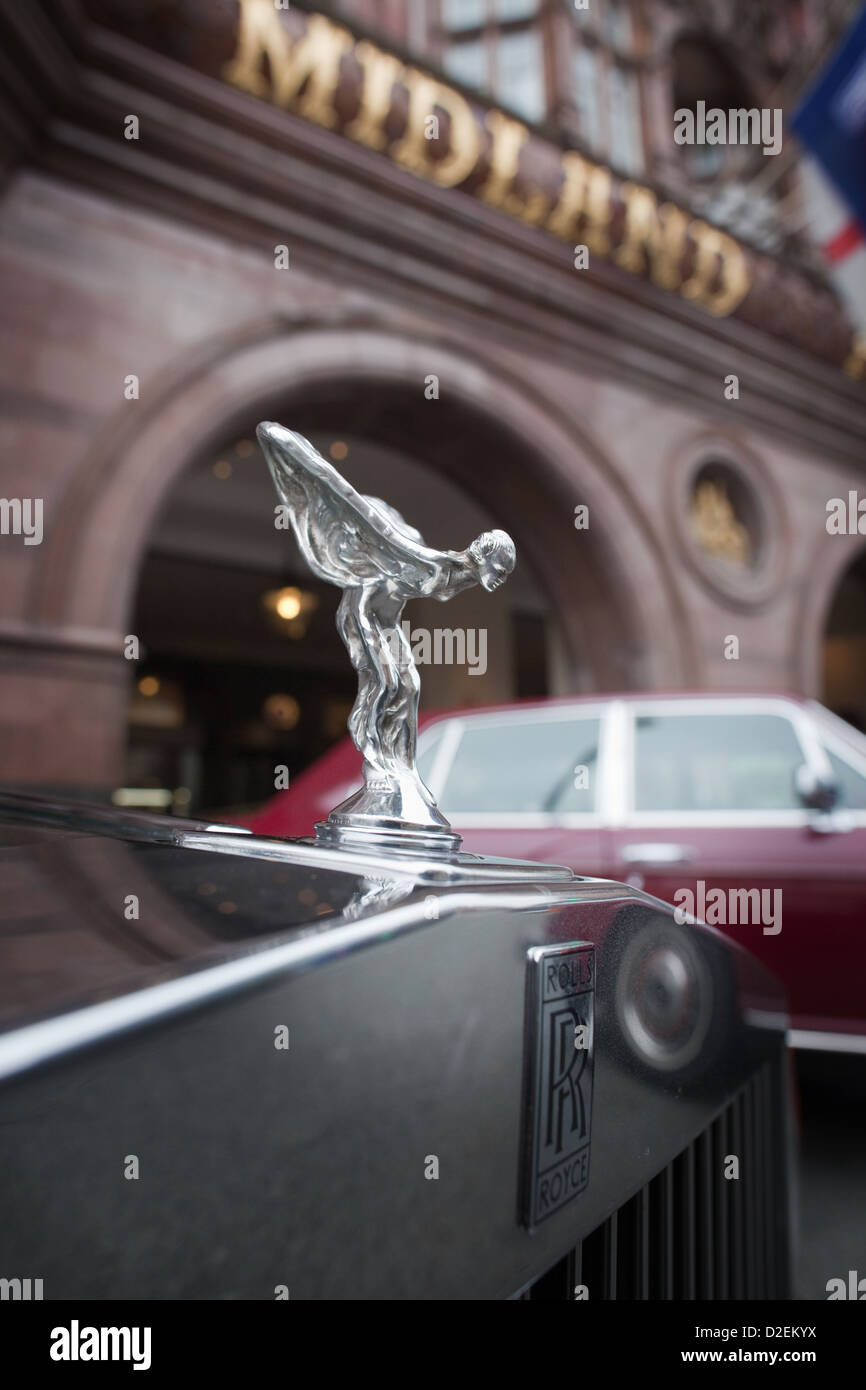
[{"x": 366, "y": 548}]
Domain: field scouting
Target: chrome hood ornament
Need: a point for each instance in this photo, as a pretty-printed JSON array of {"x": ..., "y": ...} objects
[{"x": 380, "y": 562}]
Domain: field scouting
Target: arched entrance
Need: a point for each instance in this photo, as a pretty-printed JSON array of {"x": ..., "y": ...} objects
[
  {"x": 244, "y": 670},
  {"x": 506, "y": 448},
  {"x": 844, "y": 646}
]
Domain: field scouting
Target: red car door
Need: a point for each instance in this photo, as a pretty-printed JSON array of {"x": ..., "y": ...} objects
[{"x": 713, "y": 824}]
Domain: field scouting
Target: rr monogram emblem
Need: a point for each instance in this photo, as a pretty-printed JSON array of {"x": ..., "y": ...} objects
[{"x": 558, "y": 1078}]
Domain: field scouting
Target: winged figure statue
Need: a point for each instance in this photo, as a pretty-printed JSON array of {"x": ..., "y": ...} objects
[{"x": 364, "y": 547}]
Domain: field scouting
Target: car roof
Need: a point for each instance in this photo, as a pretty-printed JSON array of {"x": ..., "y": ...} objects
[{"x": 607, "y": 697}]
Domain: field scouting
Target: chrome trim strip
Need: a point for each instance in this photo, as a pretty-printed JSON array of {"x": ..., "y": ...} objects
[
  {"x": 771, "y": 1020},
  {"x": 96, "y": 818},
  {"x": 684, "y": 821},
  {"x": 35, "y": 1044},
  {"x": 654, "y": 854},
  {"x": 524, "y": 820},
  {"x": 814, "y": 752},
  {"x": 538, "y": 714},
  {"x": 844, "y": 752},
  {"x": 842, "y": 732},
  {"x": 619, "y": 765},
  {"x": 397, "y": 864},
  {"x": 815, "y": 1041},
  {"x": 715, "y": 704}
]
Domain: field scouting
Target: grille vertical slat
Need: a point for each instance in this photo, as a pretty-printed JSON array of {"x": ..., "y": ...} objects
[
  {"x": 692, "y": 1233},
  {"x": 738, "y": 1219},
  {"x": 706, "y": 1214},
  {"x": 782, "y": 1112},
  {"x": 724, "y": 1185},
  {"x": 688, "y": 1272},
  {"x": 557, "y": 1285},
  {"x": 750, "y": 1211},
  {"x": 771, "y": 1178},
  {"x": 643, "y": 1250},
  {"x": 757, "y": 1165},
  {"x": 611, "y": 1240},
  {"x": 667, "y": 1193}
]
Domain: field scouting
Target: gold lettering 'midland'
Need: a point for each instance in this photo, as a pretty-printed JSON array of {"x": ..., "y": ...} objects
[
  {"x": 305, "y": 75},
  {"x": 260, "y": 34},
  {"x": 715, "y": 247},
  {"x": 313, "y": 59},
  {"x": 414, "y": 150},
  {"x": 380, "y": 71},
  {"x": 508, "y": 139},
  {"x": 585, "y": 193},
  {"x": 654, "y": 237}
]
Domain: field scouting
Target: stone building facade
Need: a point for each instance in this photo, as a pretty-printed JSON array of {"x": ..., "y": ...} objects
[{"x": 659, "y": 406}]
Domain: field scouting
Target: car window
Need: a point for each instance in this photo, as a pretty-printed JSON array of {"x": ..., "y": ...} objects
[
  {"x": 428, "y": 747},
  {"x": 715, "y": 762},
  {"x": 521, "y": 766},
  {"x": 852, "y": 784}
]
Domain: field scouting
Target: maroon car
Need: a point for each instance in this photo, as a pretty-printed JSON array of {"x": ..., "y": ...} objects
[{"x": 745, "y": 811}]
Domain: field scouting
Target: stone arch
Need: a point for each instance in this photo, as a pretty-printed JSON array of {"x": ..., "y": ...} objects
[
  {"x": 830, "y": 561},
  {"x": 613, "y": 587}
]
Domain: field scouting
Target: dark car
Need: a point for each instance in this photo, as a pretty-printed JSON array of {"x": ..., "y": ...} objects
[
  {"x": 745, "y": 811},
  {"x": 235, "y": 1068}
]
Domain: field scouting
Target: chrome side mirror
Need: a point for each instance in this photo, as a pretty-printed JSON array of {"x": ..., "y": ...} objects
[{"x": 817, "y": 793}]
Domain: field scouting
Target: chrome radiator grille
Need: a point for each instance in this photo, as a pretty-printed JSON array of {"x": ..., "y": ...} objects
[{"x": 692, "y": 1233}]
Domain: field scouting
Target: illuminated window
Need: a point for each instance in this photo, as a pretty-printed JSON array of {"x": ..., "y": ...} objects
[
  {"x": 626, "y": 146},
  {"x": 617, "y": 24},
  {"x": 515, "y": 9},
  {"x": 520, "y": 73},
  {"x": 496, "y": 47},
  {"x": 609, "y": 20},
  {"x": 605, "y": 66},
  {"x": 467, "y": 63},
  {"x": 586, "y": 90},
  {"x": 463, "y": 14}
]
